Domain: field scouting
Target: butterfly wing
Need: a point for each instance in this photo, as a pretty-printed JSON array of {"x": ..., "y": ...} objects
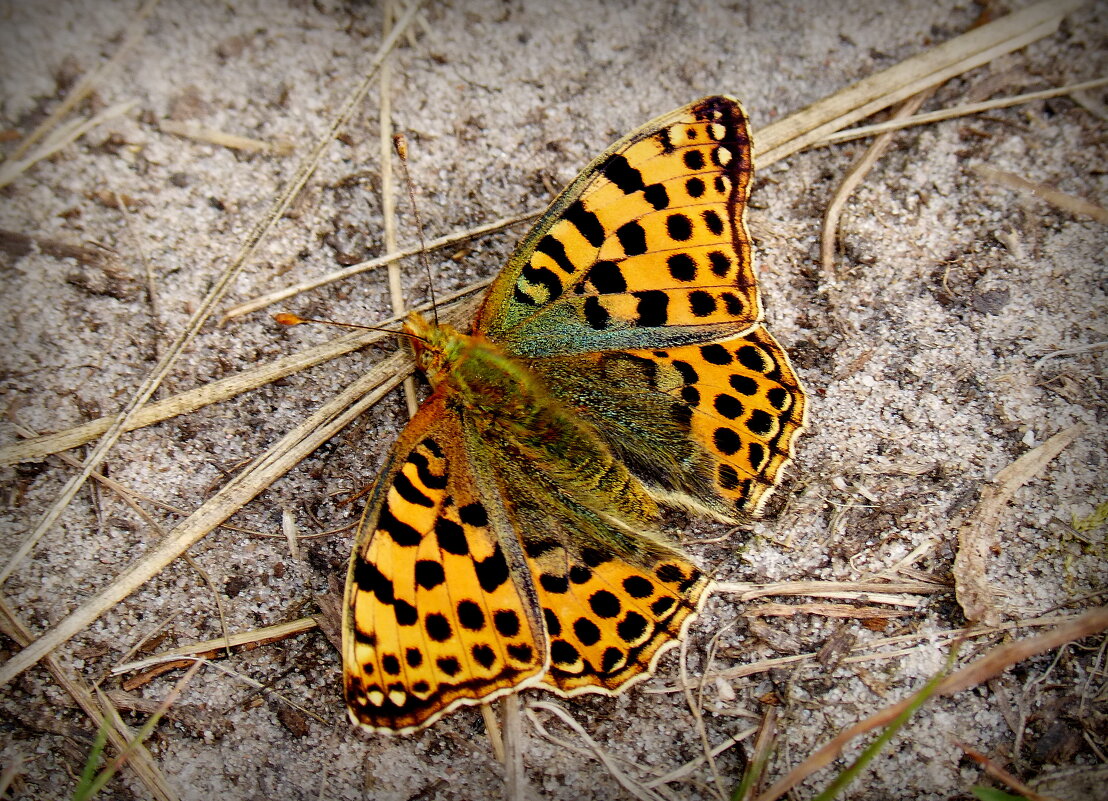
[
  {"x": 609, "y": 618},
  {"x": 612, "y": 597},
  {"x": 440, "y": 609},
  {"x": 646, "y": 248},
  {"x": 474, "y": 572},
  {"x": 705, "y": 426},
  {"x": 635, "y": 300}
]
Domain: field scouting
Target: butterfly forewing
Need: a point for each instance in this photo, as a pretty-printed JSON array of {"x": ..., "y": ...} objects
[
  {"x": 646, "y": 248},
  {"x": 435, "y": 616}
]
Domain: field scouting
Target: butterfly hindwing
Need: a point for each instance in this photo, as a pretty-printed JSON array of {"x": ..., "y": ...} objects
[
  {"x": 438, "y": 613},
  {"x": 646, "y": 248},
  {"x": 609, "y": 619},
  {"x": 708, "y": 426},
  {"x": 612, "y": 597}
]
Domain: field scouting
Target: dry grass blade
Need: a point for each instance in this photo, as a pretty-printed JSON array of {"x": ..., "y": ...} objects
[
  {"x": 853, "y": 179},
  {"x": 140, "y": 763},
  {"x": 211, "y": 136},
  {"x": 759, "y": 759},
  {"x": 863, "y": 590},
  {"x": 388, "y": 196},
  {"x": 135, "y": 742},
  {"x": 59, "y": 139},
  {"x": 193, "y": 399},
  {"x": 262, "y": 301},
  {"x": 988, "y": 666},
  {"x": 863, "y": 652},
  {"x": 1091, "y": 347},
  {"x": 792, "y": 133},
  {"x": 166, "y": 661},
  {"x": 515, "y": 779},
  {"x": 824, "y": 610},
  {"x": 870, "y": 95},
  {"x": 492, "y": 731},
  {"x": 211, "y": 648},
  {"x": 1060, "y": 200},
  {"x": 677, "y": 774},
  {"x": 977, "y": 536},
  {"x": 88, "y": 82},
  {"x": 282, "y": 457},
  {"x": 695, "y": 706},
  {"x": 153, "y": 380},
  {"x": 953, "y": 112},
  {"x": 1001, "y": 775}
]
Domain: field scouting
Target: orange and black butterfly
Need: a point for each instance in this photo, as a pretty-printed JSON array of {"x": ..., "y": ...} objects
[{"x": 618, "y": 363}]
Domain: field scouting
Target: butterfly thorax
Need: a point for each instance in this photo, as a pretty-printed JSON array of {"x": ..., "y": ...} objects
[
  {"x": 479, "y": 373},
  {"x": 505, "y": 402}
]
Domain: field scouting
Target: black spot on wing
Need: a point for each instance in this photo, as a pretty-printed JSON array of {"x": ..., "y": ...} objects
[
  {"x": 623, "y": 175},
  {"x": 713, "y": 221},
  {"x": 595, "y": 314},
  {"x": 429, "y": 574},
  {"x": 652, "y": 307},
  {"x": 607, "y": 278},
  {"x": 474, "y": 514},
  {"x": 721, "y": 263},
  {"x": 657, "y": 196},
  {"x": 540, "y": 276},
  {"x": 632, "y": 238},
  {"x": 679, "y": 227},
  {"x": 553, "y": 248},
  {"x": 682, "y": 267},
  {"x": 451, "y": 537},
  {"x": 400, "y": 532},
  {"x": 586, "y": 222},
  {"x": 410, "y": 492},
  {"x": 406, "y": 614},
  {"x": 492, "y": 571},
  {"x": 422, "y": 466},
  {"x": 371, "y": 580}
]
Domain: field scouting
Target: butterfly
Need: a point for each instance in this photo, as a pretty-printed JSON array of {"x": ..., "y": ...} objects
[{"x": 618, "y": 362}]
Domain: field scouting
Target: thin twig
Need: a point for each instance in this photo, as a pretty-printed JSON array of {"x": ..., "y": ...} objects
[
  {"x": 853, "y": 179},
  {"x": 319, "y": 427},
  {"x": 863, "y": 131},
  {"x": 229, "y": 387},
  {"x": 141, "y": 762},
  {"x": 1061, "y": 200},
  {"x": 89, "y": 81},
  {"x": 262, "y": 301}
]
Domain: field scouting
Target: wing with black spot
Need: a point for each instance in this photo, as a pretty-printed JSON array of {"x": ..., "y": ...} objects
[
  {"x": 706, "y": 426},
  {"x": 612, "y": 598},
  {"x": 647, "y": 247},
  {"x": 439, "y": 612}
]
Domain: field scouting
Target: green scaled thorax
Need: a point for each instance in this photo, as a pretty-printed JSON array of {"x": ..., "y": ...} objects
[{"x": 505, "y": 403}]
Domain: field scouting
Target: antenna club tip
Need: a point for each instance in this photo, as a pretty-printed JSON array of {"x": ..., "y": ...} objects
[
  {"x": 400, "y": 145},
  {"x": 286, "y": 318}
]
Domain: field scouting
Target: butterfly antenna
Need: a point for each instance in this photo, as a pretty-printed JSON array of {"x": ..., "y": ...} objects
[
  {"x": 289, "y": 319},
  {"x": 400, "y": 144}
]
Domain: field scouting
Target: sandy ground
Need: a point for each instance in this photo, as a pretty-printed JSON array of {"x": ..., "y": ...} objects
[{"x": 923, "y": 358}]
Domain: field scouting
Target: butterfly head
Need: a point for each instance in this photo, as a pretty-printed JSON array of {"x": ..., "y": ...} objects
[{"x": 436, "y": 347}]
